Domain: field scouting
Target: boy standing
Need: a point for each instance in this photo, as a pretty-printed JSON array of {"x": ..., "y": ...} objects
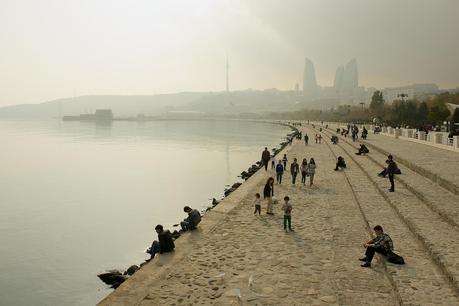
[
  {"x": 287, "y": 208},
  {"x": 257, "y": 204}
]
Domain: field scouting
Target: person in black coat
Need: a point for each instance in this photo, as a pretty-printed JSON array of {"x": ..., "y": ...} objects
[
  {"x": 268, "y": 193},
  {"x": 165, "y": 243}
]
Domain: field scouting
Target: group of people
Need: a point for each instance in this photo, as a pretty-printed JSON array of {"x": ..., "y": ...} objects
[
  {"x": 306, "y": 169},
  {"x": 268, "y": 195},
  {"x": 165, "y": 242}
]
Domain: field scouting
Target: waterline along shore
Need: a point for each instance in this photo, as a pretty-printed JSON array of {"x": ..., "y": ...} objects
[{"x": 236, "y": 257}]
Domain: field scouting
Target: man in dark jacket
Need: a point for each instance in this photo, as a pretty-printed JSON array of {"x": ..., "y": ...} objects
[
  {"x": 294, "y": 169},
  {"x": 165, "y": 243},
  {"x": 193, "y": 219},
  {"x": 391, "y": 169},
  {"x": 265, "y": 157},
  {"x": 382, "y": 244}
]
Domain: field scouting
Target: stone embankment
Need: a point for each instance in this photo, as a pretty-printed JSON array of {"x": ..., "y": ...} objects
[{"x": 238, "y": 258}]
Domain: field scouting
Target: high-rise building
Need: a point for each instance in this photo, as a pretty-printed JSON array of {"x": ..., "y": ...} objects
[
  {"x": 309, "y": 80},
  {"x": 339, "y": 78},
  {"x": 351, "y": 76}
]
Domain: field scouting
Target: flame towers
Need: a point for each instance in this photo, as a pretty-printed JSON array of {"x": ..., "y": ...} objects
[{"x": 309, "y": 80}]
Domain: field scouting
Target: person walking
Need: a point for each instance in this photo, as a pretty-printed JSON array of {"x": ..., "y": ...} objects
[
  {"x": 294, "y": 169},
  {"x": 268, "y": 193},
  {"x": 287, "y": 208},
  {"x": 285, "y": 160},
  {"x": 257, "y": 204},
  {"x": 306, "y": 139},
  {"x": 304, "y": 169},
  {"x": 320, "y": 138},
  {"x": 391, "y": 169},
  {"x": 265, "y": 157},
  {"x": 279, "y": 172},
  {"x": 311, "y": 171}
]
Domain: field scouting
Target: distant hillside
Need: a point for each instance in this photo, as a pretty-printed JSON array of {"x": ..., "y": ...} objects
[
  {"x": 121, "y": 105},
  {"x": 220, "y": 103}
]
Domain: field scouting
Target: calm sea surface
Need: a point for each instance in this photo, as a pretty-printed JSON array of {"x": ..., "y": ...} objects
[{"x": 79, "y": 198}]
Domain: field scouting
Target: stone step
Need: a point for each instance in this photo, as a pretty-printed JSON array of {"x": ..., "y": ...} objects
[{"x": 420, "y": 281}]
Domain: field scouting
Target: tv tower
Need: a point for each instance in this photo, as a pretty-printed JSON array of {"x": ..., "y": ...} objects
[{"x": 227, "y": 75}]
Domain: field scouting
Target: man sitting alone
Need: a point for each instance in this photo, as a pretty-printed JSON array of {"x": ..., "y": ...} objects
[
  {"x": 334, "y": 139},
  {"x": 381, "y": 244},
  {"x": 340, "y": 164},
  {"x": 363, "y": 150},
  {"x": 193, "y": 219},
  {"x": 165, "y": 244}
]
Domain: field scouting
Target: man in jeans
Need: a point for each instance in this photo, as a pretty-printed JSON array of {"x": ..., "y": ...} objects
[
  {"x": 287, "y": 208},
  {"x": 265, "y": 157},
  {"x": 165, "y": 243},
  {"x": 391, "y": 169},
  {"x": 382, "y": 244}
]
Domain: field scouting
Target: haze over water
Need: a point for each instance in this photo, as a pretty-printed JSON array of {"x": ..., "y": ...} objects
[{"x": 79, "y": 198}]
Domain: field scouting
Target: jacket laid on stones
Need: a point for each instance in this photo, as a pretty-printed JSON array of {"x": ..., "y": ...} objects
[{"x": 383, "y": 241}]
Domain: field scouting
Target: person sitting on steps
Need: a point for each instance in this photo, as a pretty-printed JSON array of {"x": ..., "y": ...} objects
[
  {"x": 193, "y": 219},
  {"x": 362, "y": 150},
  {"x": 381, "y": 244},
  {"x": 165, "y": 243},
  {"x": 340, "y": 164}
]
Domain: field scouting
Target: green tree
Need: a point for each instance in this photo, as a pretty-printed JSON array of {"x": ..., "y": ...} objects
[
  {"x": 377, "y": 104},
  {"x": 422, "y": 113}
]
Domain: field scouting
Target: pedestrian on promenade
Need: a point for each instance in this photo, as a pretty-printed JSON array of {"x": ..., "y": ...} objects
[
  {"x": 383, "y": 173},
  {"x": 268, "y": 193},
  {"x": 193, "y": 219},
  {"x": 265, "y": 157},
  {"x": 304, "y": 169},
  {"x": 317, "y": 138},
  {"x": 294, "y": 169},
  {"x": 311, "y": 171},
  {"x": 391, "y": 168},
  {"x": 257, "y": 204},
  {"x": 340, "y": 163},
  {"x": 285, "y": 160},
  {"x": 364, "y": 133},
  {"x": 165, "y": 243},
  {"x": 306, "y": 139},
  {"x": 287, "y": 209},
  {"x": 279, "y": 172},
  {"x": 381, "y": 244},
  {"x": 273, "y": 163},
  {"x": 320, "y": 138}
]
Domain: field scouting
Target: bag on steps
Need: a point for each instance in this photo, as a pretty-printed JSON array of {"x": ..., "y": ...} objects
[{"x": 395, "y": 258}]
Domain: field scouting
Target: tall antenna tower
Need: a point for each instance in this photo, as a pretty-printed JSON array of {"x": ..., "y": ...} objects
[{"x": 227, "y": 75}]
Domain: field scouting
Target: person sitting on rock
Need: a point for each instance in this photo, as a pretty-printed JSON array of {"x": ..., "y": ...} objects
[
  {"x": 363, "y": 150},
  {"x": 340, "y": 164},
  {"x": 193, "y": 219},
  {"x": 165, "y": 243},
  {"x": 381, "y": 244}
]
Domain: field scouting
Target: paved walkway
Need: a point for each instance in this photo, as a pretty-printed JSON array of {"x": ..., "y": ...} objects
[{"x": 236, "y": 258}]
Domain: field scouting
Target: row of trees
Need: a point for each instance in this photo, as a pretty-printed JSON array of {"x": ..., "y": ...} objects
[
  {"x": 412, "y": 112},
  {"x": 399, "y": 113}
]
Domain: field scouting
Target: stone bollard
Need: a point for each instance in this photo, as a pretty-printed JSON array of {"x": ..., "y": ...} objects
[
  {"x": 390, "y": 130},
  {"x": 409, "y": 133},
  {"x": 435, "y": 137},
  {"x": 456, "y": 142},
  {"x": 397, "y": 133},
  {"x": 421, "y": 135},
  {"x": 384, "y": 129}
]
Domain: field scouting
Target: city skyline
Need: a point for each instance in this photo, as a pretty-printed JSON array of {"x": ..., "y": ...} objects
[{"x": 57, "y": 49}]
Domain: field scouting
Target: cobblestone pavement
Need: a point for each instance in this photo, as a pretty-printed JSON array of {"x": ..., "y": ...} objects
[{"x": 250, "y": 260}]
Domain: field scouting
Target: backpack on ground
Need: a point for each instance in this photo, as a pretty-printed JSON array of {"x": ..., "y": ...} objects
[{"x": 395, "y": 258}]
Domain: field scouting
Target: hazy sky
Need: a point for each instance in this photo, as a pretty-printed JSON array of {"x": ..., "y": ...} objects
[{"x": 59, "y": 48}]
